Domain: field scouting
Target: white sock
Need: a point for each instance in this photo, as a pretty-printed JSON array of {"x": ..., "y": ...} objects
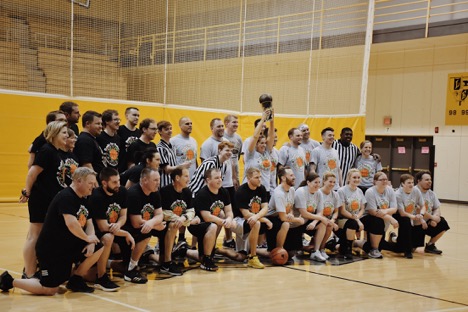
[{"x": 132, "y": 264}]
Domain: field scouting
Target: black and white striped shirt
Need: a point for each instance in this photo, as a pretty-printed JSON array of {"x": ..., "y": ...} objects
[
  {"x": 198, "y": 180},
  {"x": 347, "y": 155},
  {"x": 168, "y": 158}
]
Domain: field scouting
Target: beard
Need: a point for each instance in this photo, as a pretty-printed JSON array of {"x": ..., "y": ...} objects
[
  {"x": 290, "y": 182},
  {"x": 112, "y": 190}
]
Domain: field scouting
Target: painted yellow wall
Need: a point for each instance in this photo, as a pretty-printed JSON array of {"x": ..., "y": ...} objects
[{"x": 23, "y": 118}]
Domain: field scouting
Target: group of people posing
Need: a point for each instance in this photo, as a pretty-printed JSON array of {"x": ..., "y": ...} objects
[{"x": 103, "y": 193}]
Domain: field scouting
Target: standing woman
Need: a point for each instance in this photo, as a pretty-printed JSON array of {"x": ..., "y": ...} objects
[
  {"x": 259, "y": 150},
  {"x": 367, "y": 165},
  {"x": 351, "y": 212},
  {"x": 381, "y": 205},
  {"x": 331, "y": 205},
  {"x": 42, "y": 184},
  {"x": 69, "y": 160}
]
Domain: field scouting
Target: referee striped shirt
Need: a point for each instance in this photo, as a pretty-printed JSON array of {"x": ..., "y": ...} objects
[
  {"x": 347, "y": 155},
  {"x": 198, "y": 180},
  {"x": 168, "y": 158}
]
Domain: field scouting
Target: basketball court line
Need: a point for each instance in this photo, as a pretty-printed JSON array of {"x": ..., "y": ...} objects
[
  {"x": 380, "y": 286},
  {"x": 117, "y": 302}
]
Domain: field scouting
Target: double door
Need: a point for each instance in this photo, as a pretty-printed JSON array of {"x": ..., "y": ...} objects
[{"x": 403, "y": 154}]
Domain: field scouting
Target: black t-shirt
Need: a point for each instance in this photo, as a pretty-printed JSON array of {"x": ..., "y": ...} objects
[
  {"x": 128, "y": 136},
  {"x": 247, "y": 198},
  {"x": 132, "y": 174},
  {"x": 88, "y": 151},
  {"x": 105, "y": 207},
  {"x": 55, "y": 239},
  {"x": 67, "y": 167},
  {"x": 207, "y": 201},
  {"x": 74, "y": 127},
  {"x": 177, "y": 202},
  {"x": 110, "y": 146},
  {"x": 48, "y": 182},
  {"x": 38, "y": 143},
  {"x": 136, "y": 149},
  {"x": 138, "y": 203}
]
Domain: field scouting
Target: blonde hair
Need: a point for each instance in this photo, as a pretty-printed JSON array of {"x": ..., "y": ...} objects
[
  {"x": 350, "y": 173},
  {"x": 327, "y": 175},
  {"x": 82, "y": 172},
  {"x": 53, "y": 129}
]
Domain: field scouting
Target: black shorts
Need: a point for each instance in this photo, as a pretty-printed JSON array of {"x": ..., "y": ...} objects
[
  {"x": 441, "y": 226},
  {"x": 55, "y": 270},
  {"x": 373, "y": 225},
  {"x": 199, "y": 230},
  {"x": 37, "y": 208},
  {"x": 246, "y": 227},
  {"x": 273, "y": 232}
]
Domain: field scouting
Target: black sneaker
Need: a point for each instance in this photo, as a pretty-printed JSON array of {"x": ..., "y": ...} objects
[
  {"x": 77, "y": 284},
  {"x": 229, "y": 244},
  {"x": 432, "y": 249},
  {"x": 348, "y": 256},
  {"x": 135, "y": 277},
  {"x": 180, "y": 250},
  {"x": 408, "y": 255},
  {"x": 104, "y": 283},
  {"x": 393, "y": 237},
  {"x": 172, "y": 269},
  {"x": 6, "y": 281},
  {"x": 208, "y": 264},
  {"x": 36, "y": 275}
]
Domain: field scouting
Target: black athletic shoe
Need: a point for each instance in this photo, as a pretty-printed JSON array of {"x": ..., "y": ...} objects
[
  {"x": 77, "y": 284},
  {"x": 104, "y": 283},
  {"x": 229, "y": 244},
  {"x": 172, "y": 269},
  {"x": 135, "y": 277},
  {"x": 6, "y": 281},
  {"x": 408, "y": 255},
  {"x": 348, "y": 256},
  {"x": 180, "y": 250},
  {"x": 432, "y": 249},
  {"x": 36, "y": 275},
  {"x": 208, "y": 264}
]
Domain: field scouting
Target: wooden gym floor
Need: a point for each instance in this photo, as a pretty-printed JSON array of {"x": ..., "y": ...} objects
[{"x": 425, "y": 283}]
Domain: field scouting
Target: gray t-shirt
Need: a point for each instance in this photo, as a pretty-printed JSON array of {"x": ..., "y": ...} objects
[
  {"x": 410, "y": 203},
  {"x": 431, "y": 201},
  {"x": 237, "y": 141},
  {"x": 281, "y": 201},
  {"x": 303, "y": 199},
  {"x": 274, "y": 156},
  {"x": 308, "y": 148},
  {"x": 260, "y": 161},
  {"x": 326, "y": 159},
  {"x": 375, "y": 200},
  {"x": 293, "y": 157},
  {"x": 209, "y": 149},
  {"x": 353, "y": 200},
  {"x": 186, "y": 150},
  {"x": 368, "y": 167},
  {"x": 330, "y": 202}
]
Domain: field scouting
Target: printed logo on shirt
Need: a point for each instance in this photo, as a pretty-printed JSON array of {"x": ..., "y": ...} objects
[
  {"x": 331, "y": 163},
  {"x": 383, "y": 204},
  {"x": 311, "y": 207},
  {"x": 288, "y": 208},
  {"x": 147, "y": 212},
  {"x": 354, "y": 205},
  {"x": 409, "y": 208},
  {"x": 179, "y": 207},
  {"x": 265, "y": 162},
  {"x": 328, "y": 208},
  {"x": 111, "y": 154},
  {"x": 307, "y": 156},
  {"x": 65, "y": 171},
  {"x": 82, "y": 215},
  {"x": 113, "y": 212},
  {"x": 365, "y": 170},
  {"x": 428, "y": 205},
  {"x": 255, "y": 204},
  {"x": 129, "y": 141},
  {"x": 298, "y": 162},
  {"x": 216, "y": 208},
  {"x": 274, "y": 163}
]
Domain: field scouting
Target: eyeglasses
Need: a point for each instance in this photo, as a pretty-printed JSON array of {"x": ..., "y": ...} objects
[
  {"x": 154, "y": 129},
  {"x": 382, "y": 180}
]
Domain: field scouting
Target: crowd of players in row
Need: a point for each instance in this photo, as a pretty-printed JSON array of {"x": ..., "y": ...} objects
[{"x": 146, "y": 190}]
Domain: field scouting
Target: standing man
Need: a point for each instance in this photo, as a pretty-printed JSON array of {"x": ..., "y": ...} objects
[
  {"x": 436, "y": 224},
  {"x": 108, "y": 205},
  {"x": 66, "y": 238},
  {"x": 87, "y": 149},
  {"x": 293, "y": 156},
  {"x": 213, "y": 206},
  {"x": 168, "y": 153},
  {"x": 108, "y": 140},
  {"x": 128, "y": 134},
  {"x": 231, "y": 124},
  {"x": 347, "y": 151},
  {"x": 148, "y": 129},
  {"x": 72, "y": 112},
  {"x": 325, "y": 158},
  {"x": 307, "y": 143},
  {"x": 186, "y": 147}
]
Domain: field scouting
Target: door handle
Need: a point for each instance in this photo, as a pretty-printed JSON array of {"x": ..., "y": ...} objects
[{"x": 402, "y": 169}]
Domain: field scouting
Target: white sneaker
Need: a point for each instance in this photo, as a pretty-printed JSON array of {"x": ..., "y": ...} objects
[
  {"x": 317, "y": 256},
  {"x": 324, "y": 254}
]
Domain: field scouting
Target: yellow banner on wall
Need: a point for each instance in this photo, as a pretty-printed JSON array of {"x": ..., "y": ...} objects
[
  {"x": 456, "y": 107},
  {"x": 22, "y": 118}
]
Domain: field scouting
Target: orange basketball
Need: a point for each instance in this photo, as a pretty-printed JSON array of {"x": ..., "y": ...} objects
[{"x": 279, "y": 256}]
